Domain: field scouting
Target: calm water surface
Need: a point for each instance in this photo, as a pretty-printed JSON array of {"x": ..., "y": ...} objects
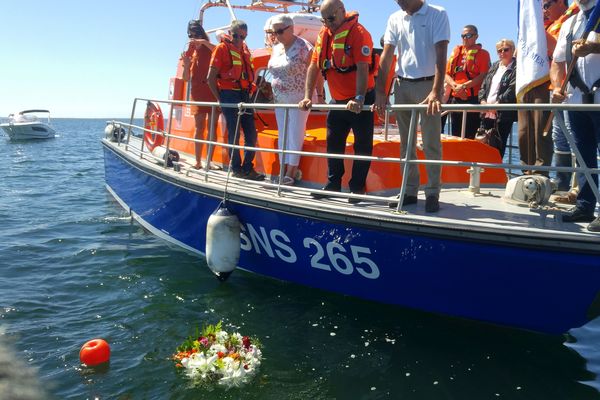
[{"x": 74, "y": 267}]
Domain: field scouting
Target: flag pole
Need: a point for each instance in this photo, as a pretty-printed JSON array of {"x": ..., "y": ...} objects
[{"x": 563, "y": 86}]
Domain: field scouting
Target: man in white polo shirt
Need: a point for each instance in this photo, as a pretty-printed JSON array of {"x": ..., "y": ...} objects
[{"x": 421, "y": 33}]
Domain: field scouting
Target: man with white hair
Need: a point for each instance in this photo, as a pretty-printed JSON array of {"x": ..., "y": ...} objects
[{"x": 583, "y": 83}]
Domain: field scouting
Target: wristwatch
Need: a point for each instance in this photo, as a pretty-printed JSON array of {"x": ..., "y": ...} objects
[{"x": 360, "y": 98}]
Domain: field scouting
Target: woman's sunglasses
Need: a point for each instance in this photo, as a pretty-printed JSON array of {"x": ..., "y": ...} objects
[
  {"x": 503, "y": 50},
  {"x": 238, "y": 36},
  {"x": 278, "y": 31}
]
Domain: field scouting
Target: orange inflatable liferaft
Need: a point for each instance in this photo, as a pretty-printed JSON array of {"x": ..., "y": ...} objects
[{"x": 153, "y": 121}]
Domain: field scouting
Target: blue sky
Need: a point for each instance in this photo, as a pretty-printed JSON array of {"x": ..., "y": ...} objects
[{"x": 90, "y": 59}]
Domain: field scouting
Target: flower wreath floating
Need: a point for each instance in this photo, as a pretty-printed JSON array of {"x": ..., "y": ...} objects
[{"x": 218, "y": 356}]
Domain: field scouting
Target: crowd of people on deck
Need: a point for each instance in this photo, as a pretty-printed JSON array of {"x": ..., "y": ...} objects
[{"x": 418, "y": 35}]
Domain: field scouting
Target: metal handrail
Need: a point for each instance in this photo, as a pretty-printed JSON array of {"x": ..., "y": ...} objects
[{"x": 390, "y": 108}]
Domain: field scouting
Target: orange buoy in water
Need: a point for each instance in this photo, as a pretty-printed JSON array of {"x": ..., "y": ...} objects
[{"x": 94, "y": 352}]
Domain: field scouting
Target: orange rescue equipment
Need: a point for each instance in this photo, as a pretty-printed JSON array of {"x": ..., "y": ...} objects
[{"x": 153, "y": 121}]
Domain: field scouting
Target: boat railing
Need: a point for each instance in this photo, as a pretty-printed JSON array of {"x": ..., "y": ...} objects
[{"x": 475, "y": 168}]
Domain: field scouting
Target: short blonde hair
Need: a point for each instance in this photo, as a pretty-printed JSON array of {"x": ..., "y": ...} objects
[{"x": 503, "y": 42}]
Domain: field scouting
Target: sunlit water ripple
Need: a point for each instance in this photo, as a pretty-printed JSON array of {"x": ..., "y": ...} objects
[{"x": 74, "y": 267}]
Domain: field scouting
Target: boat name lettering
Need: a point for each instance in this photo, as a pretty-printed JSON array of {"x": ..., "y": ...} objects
[{"x": 332, "y": 257}]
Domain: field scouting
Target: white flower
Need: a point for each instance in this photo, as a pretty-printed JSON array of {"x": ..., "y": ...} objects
[
  {"x": 238, "y": 338},
  {"x": 234, "y": 373},
  {"x": 199, "y": 364},
  {"x": 222, "y": 336},
  {"x": 217, "y": 347}
]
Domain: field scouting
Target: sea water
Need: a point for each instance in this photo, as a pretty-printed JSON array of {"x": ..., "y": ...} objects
[{"x": 74, "y": 267}]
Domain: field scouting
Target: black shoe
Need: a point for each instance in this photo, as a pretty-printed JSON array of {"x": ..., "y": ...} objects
[
  {"x": 252, "y": 175},
  {"x": 239, "y": 174},
  {"x": 408, "y": 200},
  {"x": 594, "y": 226},
  {"x": 329, "y": 187},
  {"x": 432, "y": 204},
  {"x": 353, "y": 200},
  {"x": 578, "y": 215}
]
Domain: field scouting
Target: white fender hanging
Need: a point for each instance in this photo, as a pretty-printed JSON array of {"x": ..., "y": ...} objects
[{"x": 222, "y": 242}]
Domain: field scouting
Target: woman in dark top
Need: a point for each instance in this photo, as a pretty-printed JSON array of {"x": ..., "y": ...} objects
[{"x": 499, "y": 86}]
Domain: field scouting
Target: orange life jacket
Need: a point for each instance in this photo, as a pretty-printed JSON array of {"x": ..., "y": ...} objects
[
  {"x": 242, "y": 69},
  {"x": 462, "y": 68},
  {"x": 334, "y": 53},
  {"x": 554, "y": 28}
]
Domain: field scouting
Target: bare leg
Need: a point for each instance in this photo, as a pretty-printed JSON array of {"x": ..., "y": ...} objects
[
  {"x": 199, "y": 135},
  {"x": 212, "y": 138},
  {"x": 291, "y": 170}
]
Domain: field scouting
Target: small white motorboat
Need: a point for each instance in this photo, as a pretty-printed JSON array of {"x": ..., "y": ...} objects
[{"x": 29, "y": 124}]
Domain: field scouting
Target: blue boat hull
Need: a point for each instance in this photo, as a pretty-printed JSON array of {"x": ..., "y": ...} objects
[{"x": 536, "y": 289}]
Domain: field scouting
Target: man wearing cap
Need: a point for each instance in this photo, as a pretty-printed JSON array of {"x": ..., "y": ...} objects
[
  {"x": 343, "y": 54},
  {"x": 421, "y": 32},
  {"x": 230, "y": 78}
]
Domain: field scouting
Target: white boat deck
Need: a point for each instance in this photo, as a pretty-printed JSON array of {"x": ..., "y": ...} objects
[{"x": 461, "y": 213}]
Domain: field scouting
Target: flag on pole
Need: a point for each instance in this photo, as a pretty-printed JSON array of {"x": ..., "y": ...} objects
[
  {"x": 533, "y": 65},
  {"x": 593, "y": 24}
]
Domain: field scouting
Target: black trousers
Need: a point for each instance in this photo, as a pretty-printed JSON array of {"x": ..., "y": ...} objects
[
  {"x": 473, "y": 119},
  {"x": 339, "y": 124}
]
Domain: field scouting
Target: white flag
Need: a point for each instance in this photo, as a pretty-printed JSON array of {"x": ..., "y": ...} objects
[{"x": 533, "y": 64}]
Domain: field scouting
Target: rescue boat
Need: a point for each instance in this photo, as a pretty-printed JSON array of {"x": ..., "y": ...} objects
[{"x": 512, "y": 263}]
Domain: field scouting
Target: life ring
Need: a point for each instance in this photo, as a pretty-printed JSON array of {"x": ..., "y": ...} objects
[{"x": 153, "y": 121}]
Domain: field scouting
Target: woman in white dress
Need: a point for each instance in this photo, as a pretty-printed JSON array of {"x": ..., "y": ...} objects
[{"x": 288, "y": 64}]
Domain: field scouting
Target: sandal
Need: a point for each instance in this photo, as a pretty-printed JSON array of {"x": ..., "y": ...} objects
[
  {"x": 288, "y": 181},
  {"x": 212, "y": 167}
]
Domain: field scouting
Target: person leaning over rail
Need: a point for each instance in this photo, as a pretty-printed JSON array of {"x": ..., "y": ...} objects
[
  {"x": 582, "y": 89},
  {"x": 421, "y": 32},
  {"x": 231, "y": 79},
  {"x": 344, "y": 54},
  {"x": 288, "y": 65},
  {"x": 499, "y": 86},
  {"x": 466, "y": 68},
  {"x": 195, "y": 68}
]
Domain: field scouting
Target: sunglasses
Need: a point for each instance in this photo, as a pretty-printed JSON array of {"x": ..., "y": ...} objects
[
  {"x": 238, "y": 36},
  {"x": 278, "y": 31},
  {"x": 548, "y": 4},
  {"x": 325, "y": 20},
  {"x": 467, "y": 35},
  {"x": 503, "y": 50}
]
